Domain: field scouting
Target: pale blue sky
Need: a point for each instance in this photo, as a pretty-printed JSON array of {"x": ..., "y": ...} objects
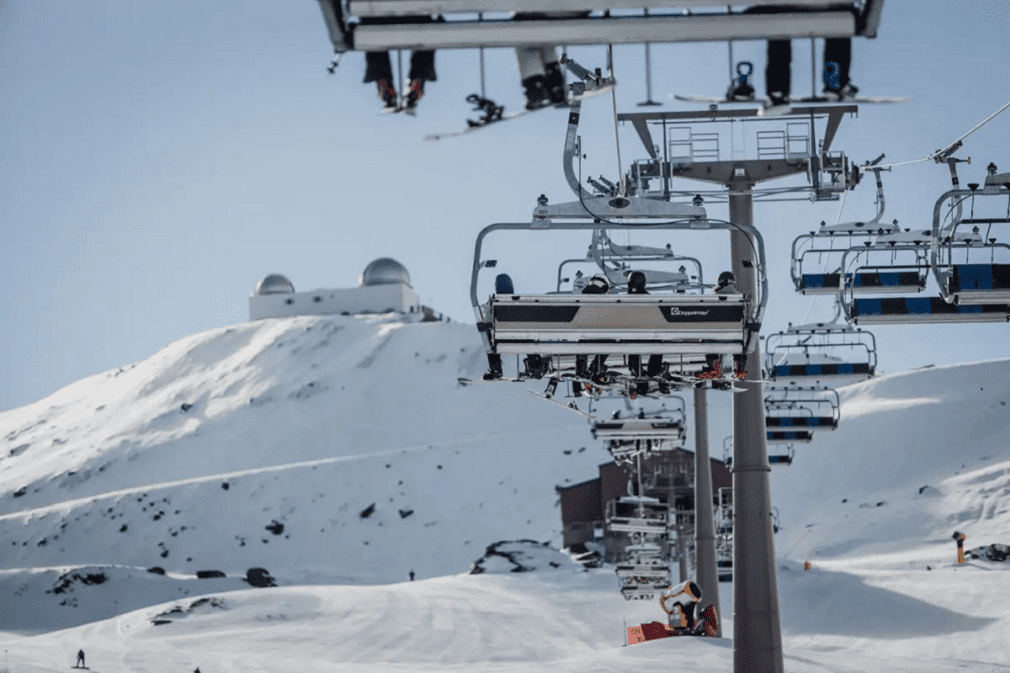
[{"x": 157, "y": 159}]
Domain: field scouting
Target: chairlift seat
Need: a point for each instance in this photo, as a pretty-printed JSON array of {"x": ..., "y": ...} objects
[
  {"x": 620, "y": 524},
  {"x": 628, "y": 515},
  {"x": 902, "y": 310},
  {"x": 619, "y": 324},
  {"x": 980, "y": 283},
  {"x": 822, "y": 371},
  {"x": 638, "y": 428},
  {"x": 865, "y": 282},
  {"x": 658, "y": 572},
  {"x": 819, "y": 422},
  {"x": 780, "y": 459},
  {"x": 634, "y": 592},
  {"x": 789, "y": 436}
]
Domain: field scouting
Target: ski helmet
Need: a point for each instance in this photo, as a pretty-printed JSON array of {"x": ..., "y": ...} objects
[
  {"x": 726, "y": 278},
  {"x": 636, "y": 281}
]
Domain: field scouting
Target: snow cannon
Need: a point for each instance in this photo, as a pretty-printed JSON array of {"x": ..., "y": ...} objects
[
  {"x": 678, "y": 602},
  {"x": 959, "y": 538}
]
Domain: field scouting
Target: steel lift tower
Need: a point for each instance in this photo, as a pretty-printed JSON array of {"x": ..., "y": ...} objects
[{"x": 686, "y": 153}]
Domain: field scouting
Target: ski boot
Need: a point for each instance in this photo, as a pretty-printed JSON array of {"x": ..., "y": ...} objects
[
  {"x": 740, "y": 367},
  {"x": 552, "y": 386},
  {"x": 777, "y": 99},
  {"x": 536, "y": 366},
  {"x": 713, "y": 367},
  {"x": 843, "y": 93},
  {"x": 598, "y": 372},
  {"x": 415, "y": 91},
  {"x": 554, "y": 82},
  {"x": 387, "y": 93},
  {"x": 494, "y": 371},
  {"x": 537, "y": 95}
]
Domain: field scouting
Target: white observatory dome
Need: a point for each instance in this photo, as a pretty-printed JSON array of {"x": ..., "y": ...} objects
[
  {"x": 384, "y": 271},
  {"x": 275, "y": 283}
]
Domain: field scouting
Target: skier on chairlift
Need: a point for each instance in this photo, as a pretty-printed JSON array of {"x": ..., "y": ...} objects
[
  {"x": 379, "y": 69},
  {"x": 597, "y": 285},
  {"x": 543, "y": 82},
  {"x": 726, "y": 284},
  {"x": 636, "y": 285},
  {"x": 502, "y": 285},
  {"x": 539, "y": 68},
  {"x": 778, "y": 72}
]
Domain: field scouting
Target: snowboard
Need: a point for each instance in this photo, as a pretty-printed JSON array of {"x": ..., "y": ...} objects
[
  {"x": 571, "y": 406},
  {"x": 794, "y": 101},
  {"x": 497, "y": 116},
  {"x": 399, "y": 109},
  {"x": 465, "y": 381}
]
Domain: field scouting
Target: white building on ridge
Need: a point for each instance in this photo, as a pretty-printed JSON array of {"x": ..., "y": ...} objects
[{"x": 384, "y": 286}]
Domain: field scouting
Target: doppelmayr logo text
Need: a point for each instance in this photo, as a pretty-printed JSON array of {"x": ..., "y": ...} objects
[{"x": 676, "y": 311}]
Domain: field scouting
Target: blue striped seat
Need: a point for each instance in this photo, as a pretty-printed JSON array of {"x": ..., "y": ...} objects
[
  {"x": 869, "y": 281},
  {"x": 789, "y": 435},
  {"x": 924, "y": 309},
  {"x": 980, "y": 277},
  {"x": 840, "y": 369},
  {"x": 799, "y": 421}
]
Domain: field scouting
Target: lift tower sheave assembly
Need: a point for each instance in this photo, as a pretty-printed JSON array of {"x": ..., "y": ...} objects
[{"x": 757, "y": 638}]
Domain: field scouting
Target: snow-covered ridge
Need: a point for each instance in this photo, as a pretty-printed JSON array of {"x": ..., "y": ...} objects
[
  {"x": 262, "y": 445},
  {"x": 342, "y": 451}
]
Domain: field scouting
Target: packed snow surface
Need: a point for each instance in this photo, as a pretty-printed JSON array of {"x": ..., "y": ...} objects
[{"x": 340, "y": 453}]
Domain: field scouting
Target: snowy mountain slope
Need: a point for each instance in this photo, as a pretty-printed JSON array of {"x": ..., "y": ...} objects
[
  {"x": 297, "y": 427},
  {"x": 897, "y": 434},
  {"x": 563, "y": 621},
  {"x": 303, "y": 463}
]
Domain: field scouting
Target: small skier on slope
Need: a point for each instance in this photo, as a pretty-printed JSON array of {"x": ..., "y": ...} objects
[{"x": 80, "y": 659}]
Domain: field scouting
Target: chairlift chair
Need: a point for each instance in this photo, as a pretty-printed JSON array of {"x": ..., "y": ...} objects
[
  {"x": 827, "y": 353},
  {"x": 785, "y": 458},
  {"x": 379, "y": 25},
  {"x": 631, "y": 514},
  {"x": 976, "y": 291},
  {"x": 886, "y": 260},
  {"x": 899, "y": 263},
  {"x": 668, "y": 428},
  {"x": 555, "y": 327},
  {"x": 904, "y": 279},
  {"x": 801, "y": 408},
  {"x": 978, "y": 281}
]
